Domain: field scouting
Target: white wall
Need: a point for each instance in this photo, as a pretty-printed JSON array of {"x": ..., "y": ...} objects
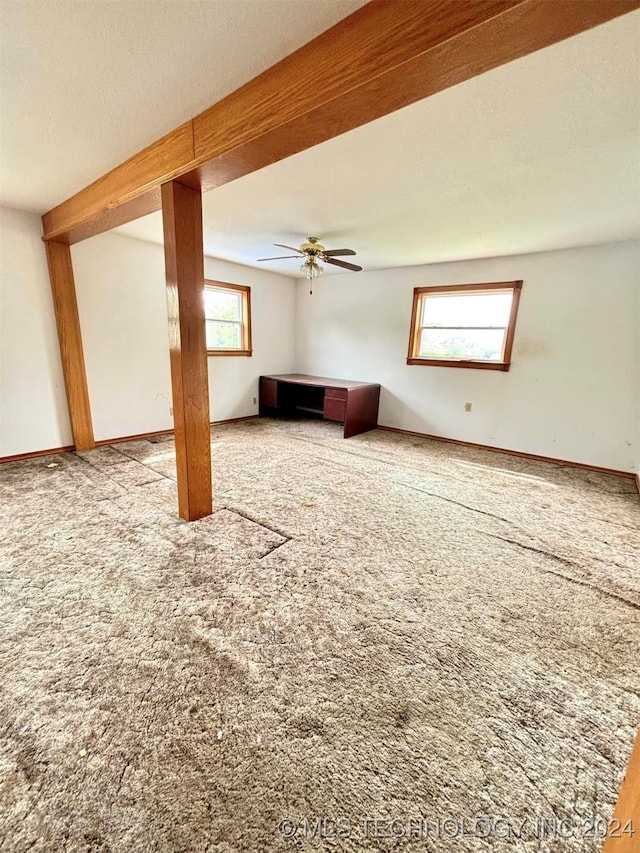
[
  {"x": 121, "y": 301},
  {"x": 120, "y": 286},
  {"x": 573, "y": 391},
  {"x": 33, "y": 406},
  {"x": 123, "y": 317}
]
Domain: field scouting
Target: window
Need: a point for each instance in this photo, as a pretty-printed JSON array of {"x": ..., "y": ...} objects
[
  {"x": 464, "y": 325},
  {"x": 227, "y": 311}
]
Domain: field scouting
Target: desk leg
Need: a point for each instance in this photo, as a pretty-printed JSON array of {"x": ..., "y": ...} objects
[{"x": 362, "y": 411}]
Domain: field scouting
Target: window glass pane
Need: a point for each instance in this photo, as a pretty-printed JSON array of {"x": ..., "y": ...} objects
[
  {"x": 483, "y": 344},
  {"x": 222, "y": 335},
  {"x": 222, "y": 304},
  {"x": 467, "y": 309}
]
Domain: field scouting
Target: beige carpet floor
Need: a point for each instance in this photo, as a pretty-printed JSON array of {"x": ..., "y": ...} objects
[{"x": 380, "y": 628}]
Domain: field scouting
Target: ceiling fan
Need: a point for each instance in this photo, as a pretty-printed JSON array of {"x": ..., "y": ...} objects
[{"x": 313, "y": 251}]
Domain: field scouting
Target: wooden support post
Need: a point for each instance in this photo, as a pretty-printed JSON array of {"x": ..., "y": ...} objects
[
  {"x": 184, "y": 261},
  {"x": 624, "y": 829},
  {"x": 68, "y": 323}
]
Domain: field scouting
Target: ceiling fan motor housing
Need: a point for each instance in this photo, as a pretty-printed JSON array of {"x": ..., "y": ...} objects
[{"x": 312, "y": 247}]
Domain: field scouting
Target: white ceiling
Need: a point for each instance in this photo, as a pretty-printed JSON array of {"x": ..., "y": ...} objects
[
  {"x": 539, "y": 154},
  {"x": 84, "y": 84}
]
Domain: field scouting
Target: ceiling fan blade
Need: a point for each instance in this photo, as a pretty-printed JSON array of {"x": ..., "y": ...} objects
[
  {"x": 343, "y": 264},
  {"x": 332, "y": 253},
  {"x": 281, "y": 258},
  {"x": 282, "y": 246}
]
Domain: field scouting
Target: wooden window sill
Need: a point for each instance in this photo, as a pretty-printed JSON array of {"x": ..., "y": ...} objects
[
  {"x": 241, "y": 352},
  {"x": 454, "y": 362}
]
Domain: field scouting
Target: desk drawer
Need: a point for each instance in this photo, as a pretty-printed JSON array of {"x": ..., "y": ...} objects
[
  {"x": 334, "y": 409},
  {"x": 336, "y": 393}
]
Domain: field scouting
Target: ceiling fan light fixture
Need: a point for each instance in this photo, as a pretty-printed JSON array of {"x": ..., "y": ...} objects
[{"x": 311, "y": 269}]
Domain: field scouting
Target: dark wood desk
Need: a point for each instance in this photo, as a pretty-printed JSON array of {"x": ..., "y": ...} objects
[{"x": 353, "y": 403}]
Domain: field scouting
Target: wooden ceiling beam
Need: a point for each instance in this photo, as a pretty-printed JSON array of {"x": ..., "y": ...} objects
[
  {"x": 127, "y": 192},
  {"x": 383, "y": 57}
]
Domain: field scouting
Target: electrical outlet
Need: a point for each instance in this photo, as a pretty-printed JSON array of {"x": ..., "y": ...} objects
[
  {"x": 255, "y": 401},
  {"x": 467, "y": 407}
]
